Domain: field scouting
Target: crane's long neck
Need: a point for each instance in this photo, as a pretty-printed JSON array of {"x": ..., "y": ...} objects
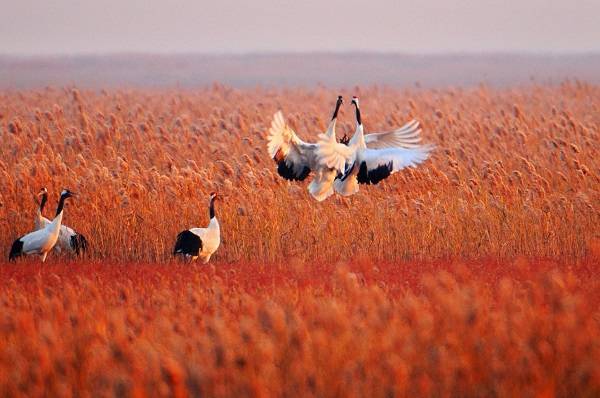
[
  {"x": 43, "y": 203},
  {"x": 335, "y": 112},
  {"x": 56, "y": 223},
  {"x": 39, "y": 216},
  {"x": 61, "y": 205},
  {"x": 358, "y": 138},
  {"x": 211, "y": 208},
  {"x": 213, "y": 224},
  {"x": 54, "y": 226},
  {"x": 331, "y": 128},
  {"x": 358, "y": 119}
]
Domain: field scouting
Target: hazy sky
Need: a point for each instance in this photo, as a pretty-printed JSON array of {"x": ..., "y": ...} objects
[{"x": 226, "y": 26}]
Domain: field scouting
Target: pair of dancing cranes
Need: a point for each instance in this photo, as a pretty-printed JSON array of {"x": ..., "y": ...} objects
[{"x": 341, "y": 166}]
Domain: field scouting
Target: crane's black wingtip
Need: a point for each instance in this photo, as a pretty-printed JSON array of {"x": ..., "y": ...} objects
[
  {"x": 374, "y": 176},
  {"x": 16, "y": 250},
  {"x": 287, "y": 172}
]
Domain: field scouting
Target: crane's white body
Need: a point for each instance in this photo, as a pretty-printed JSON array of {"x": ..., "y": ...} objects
[
  {"x": 210, "y": 237},
  {"x": 65, "y": 234},
  {"x": 43, "y": 240}
]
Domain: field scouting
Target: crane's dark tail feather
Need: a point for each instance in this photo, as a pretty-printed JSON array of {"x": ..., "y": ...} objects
[
  {"x": 187, "y": 243},
  {"x": 79, "y": 244},
  {"x": 16, "y": 250}
]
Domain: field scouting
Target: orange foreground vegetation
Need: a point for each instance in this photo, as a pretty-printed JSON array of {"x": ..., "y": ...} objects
[
  {"x": 415, "y": 329},
  {"x": 516, "y": 172},
  {"x": 349, "y": 297}
]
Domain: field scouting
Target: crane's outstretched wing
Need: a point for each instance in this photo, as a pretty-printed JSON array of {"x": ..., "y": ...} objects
[
  {"x": 377, "y": 164},
  {"x": 407, "y": 136},
  {"x": 288, "y": 150}
]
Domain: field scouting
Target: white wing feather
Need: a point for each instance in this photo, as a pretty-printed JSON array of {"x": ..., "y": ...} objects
[
  {"x": 281, "y": 136},
  {"x": 407, "y": 136},
  {"x": 399, "y": 157},
  {"x": 283, "y": 143}
]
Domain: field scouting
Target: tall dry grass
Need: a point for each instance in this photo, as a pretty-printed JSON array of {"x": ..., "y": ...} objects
[
  {"x": 516, "y": 172},
  {"x": 527, "y": 329}
]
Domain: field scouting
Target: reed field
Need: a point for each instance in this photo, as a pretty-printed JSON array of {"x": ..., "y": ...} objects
[
  {"x": 475, "y": 274},
  {"x": 516, "y": 172}
]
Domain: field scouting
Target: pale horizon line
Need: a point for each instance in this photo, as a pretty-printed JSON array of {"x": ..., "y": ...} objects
[{"x": 465, "y": 53}]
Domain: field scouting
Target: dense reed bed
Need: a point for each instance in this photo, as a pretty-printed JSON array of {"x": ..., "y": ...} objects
[
  {"x": 424, "y": 285},
  {"x": 484, "y": 328},
  {"x": 516, "y": 172}
]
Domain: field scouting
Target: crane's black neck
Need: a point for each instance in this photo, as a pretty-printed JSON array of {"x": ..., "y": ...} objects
[
  {"x": 358, "y": 120},
  {"x": 43, "y": 202},
  {"x": 61, "y": 204},
  {"x": 212, "y": 208},
  {"x": 337, "y": 108}
]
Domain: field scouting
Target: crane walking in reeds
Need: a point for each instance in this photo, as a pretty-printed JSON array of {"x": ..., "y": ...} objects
[
  {"x": 200, "y": 242},
  {"x": 41, "y": 241},
  {"x": 68, "y": 239}
]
